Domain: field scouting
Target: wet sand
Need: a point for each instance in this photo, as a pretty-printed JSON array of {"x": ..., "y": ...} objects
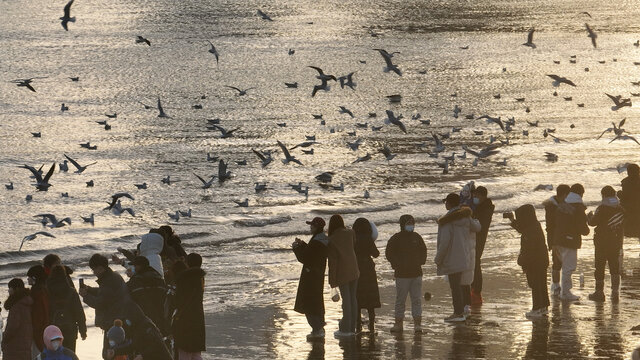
[{"x": 496, "y": 330}]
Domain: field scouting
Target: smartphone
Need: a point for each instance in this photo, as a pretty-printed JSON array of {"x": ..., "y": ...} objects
[
  {"x": 81, "y": 282},
  {"x": 507, "y": 215}
]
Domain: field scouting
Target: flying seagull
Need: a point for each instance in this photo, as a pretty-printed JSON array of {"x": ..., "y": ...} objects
[
  {"x": 264, "y": 16},
  {"x": 33, "y": 236},
  {"x": 617, "y": 129},
  {"x": 67, "y": 16},
  {"x": 387, "y": 58},
  {"x": 240, "y": 91},
  {"x": 206, "y": 184},
  {"x": 324, "y": 78},
  {"x": 344, "y": 110},
  {"x": 55, "y": 223},
  {"x": 619, "y": 101},
  {"x": 347, "y": 80},
  {"x": 223, "y": 174},
  {"x": 213, "y": 51},
  {"x": 225, "y": 133},
  {"x": 265, "y": 159},
  {"x": 591, "y": 34},
  {"x": 25, "y": 83},
  {"x": 42, "y": 184},
  {"x": 161, "y": 113},
  {"x": 625, "y": 137},
  {"x": 492, "y": 120},
  {"x": 141, "y": 40},
  {"x": 395, "y": 120},
  {"x": 79, "y": 169},
  {"x": 529, "y": 42},
  {"x": 288, "y": 158},
  {"x": 115, "y": 198},
  {"x": 557, "y": 80}
]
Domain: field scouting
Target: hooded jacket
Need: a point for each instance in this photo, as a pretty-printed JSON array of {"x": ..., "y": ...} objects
[
  {"x": 608, "y": 220},
  {"x": 49, "y": 353},
  {"x": 18, "y": 333},
  {"x": 407, "y": 253},
  {"x": 313, "y": 256},
  {"x": 343, "y": 264},
  {"x": 550, "y": 209},
  {"x": 65, "y": 307},
  {"x": 455, "y": 241},
  {"x": 188, "y": 323},
  {"x": 148, "y": 290},
  {"x": 484, "y": 214},
  {"x": 533, "y": 250},
  {"x": 108, "y": 298},
  {"x": 571, "y": 222},
  {"x": 150, "y": 247}
]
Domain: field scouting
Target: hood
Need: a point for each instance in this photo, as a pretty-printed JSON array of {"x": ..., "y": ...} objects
[
  {"x": 21, "y": 299},
  {"x": 454, "y": 215},
  {"x": 573, "y": 198},
  {"x": 321, "y": 237},
  {"x": 552, "y": 201},
  {"x": 611, "y": 202},
  {"x": 526, "y": 216},
  {"x": 151, "y": 244},
  {"x": 51, "y": 332}
]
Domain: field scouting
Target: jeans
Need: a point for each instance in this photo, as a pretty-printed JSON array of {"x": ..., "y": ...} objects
[
  {"x": 456, "y": 293},
  {"x": 406, "y": 286},
  {"x": 466, "y": 294},
  {"x": 476, "y": 285},
  {"x": 569, "y": 259},
  {"x": 350, "y": 312},
  {"x": 315, "y": 321},
  {"x": 607, "y": 254},
  {"x": 537, "y": 280},
  {"x": 557, "y": 264}
]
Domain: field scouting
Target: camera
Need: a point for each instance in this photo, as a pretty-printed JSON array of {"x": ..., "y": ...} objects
[{"x": 507, "y": 215}]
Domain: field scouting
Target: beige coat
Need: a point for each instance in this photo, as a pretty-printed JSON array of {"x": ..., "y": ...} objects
[
  {"x": 456, "y": 243},
  {"x": 343, "y": 264}
]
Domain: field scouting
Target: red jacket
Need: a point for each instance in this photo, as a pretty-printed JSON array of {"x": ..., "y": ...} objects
[{"x": 39, "y": 314}]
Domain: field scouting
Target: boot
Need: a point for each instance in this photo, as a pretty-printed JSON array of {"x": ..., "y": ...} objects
[
  {"x": 417, "y": 324},
  {"x": 397, "y": 326},
  {"x": 372, "y": 320},
  {"x": 615, "y": 288},
  {"x": 476, "y": 298},
  {"x": 555, "y": 289},
  {"x": 598, "y": 295}
]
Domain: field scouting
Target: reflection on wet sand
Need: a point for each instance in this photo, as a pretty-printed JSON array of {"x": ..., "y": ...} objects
[
  {"x": 466, "y": 342},
  {"x": 608, "y": 342},
  {"x": 537, "y": 347},
  {"x": 564, "y": 340}
]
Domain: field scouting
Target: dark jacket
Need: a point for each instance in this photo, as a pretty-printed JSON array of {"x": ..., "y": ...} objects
[
  {"x": 18, "y": 332},
  {"x": 550, "y": 209},
  {"x": 148, "y": 290},
  {"x": 368, "y": 294},
  {"x": 313, "y": 256},
  {"x": 61, "y": 354},
  {"x": 630, "y": 201},
  {"x": 107, "y": 299},
  {"x": 407, "y": 253},
  {"x": 533, "y": 249},
  {"x": 65, "y": 310},
  {"x": 571, "y": 223},
  {"x": 144, "y": 337},
  {"x": 39, "y": 312},
  {"x": 608, "y": 219},
  {"x": 188, "y": 322},
  {"x": 484, "y": 213},
  {"x": 341, "y": 258}
]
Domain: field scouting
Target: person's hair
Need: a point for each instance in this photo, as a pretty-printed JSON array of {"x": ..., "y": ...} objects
[
  {"x": 577, "y": 189},
  {"x": 608, "y": 191},
  {"x": 178, "y": 267},
  {"x": 59, "y": 272},
  {"x": 563, "y": 190},
  {"x": 362, "y": 228},
  {"x": 16, "y": 283},
  {"x": 50, "y": 259},
  {"x": 37, "y": 272},
  {"x": 453, "y": 201},
  {"x": 633, "y": 170},
  {"x": 481, "y": 190},
  {"x": 336, "y": 222},
  {"x": 194, "y": 260},
  {"x": 98, "y": 260},
  {"x": 404, "y": 219}
]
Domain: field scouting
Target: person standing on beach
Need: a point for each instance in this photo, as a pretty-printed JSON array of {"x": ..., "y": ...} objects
[
  {"x": 17, "y": 337},
  {"x": 188, "y": 326},
  {"x": 65, "y": 307},
  {"x": 533, "y": 257},
  {"x": 407, "y": 252},
  {"x": 368, "y": 294},
  {"x": 453, "y": 256},
  {"x": 630, "y": 201},
  {"x": 313, "y": 256},
  {"x": 607, "y": 239},
  {"x": 550, "y": 209},
  {"x": 148, "y": 290},
  {"x": 344, "y": 273},
  {"x": 571, "y": 225},
  {"x": 483, "y": 211},
  {"x": 36, "y": 277}
]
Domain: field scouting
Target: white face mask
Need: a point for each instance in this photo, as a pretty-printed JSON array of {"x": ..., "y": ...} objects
[
  {"x": 55, "y": 344},
  {"x": 476, "y": 201},
  {"x": 409, "y": 228},
  {"x": 112, "y": 343}
]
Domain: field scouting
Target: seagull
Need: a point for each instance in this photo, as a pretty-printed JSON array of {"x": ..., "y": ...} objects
[
  {"x": 592, "y": 35},
  {"x": 185, "y": 213},
  {"x": 36, "y": 135},
  {"x": 395, "y": 120},
  {"x": 551, "y": 157},
  {"x": 115, "y": 198},
  {"x": 387, "y": 58},
  {"x": 364, "y": 158},
  {"x": 112, "y": 116},
  {"x": 291, "y": 52},
  {"x": 387, "y": 153},
  {"x": 25, "y": 83},
  {"x": 347, "y": 80},
  {"x": 325, "y": 177},
  {"x": 625, "y": 137},
  {"x": 88, "y": 146},
  {"x": 55, "y": 223},
  {"x": 89, "y": 219},
  {"x": 213, "y": 51},
  {"x": 175, "y": 216},
  {"x": 42, "y": 184},
  {"x": 492, "y": 120},
  {"x": 142, "y": 186},
  {"x": 619, "y": 101},
  {"x": 244, "y": 203},
  {"x": 557, "y": 80},
  {"x": 260, "y": 187},
  {"x": 118, "y": 209},
  {"x": 67, "y": 16},
  {"x": 264, "y": 16},
  {"x": 223, "y": 174},
  {"x": 9, "y": 186},
  {"x": 324, "y": 78},
  {"x": 79, "y": 169},
  {"x": 167, "y": 180},
  {"x": 293, "y": 85},
  {"x": 533, "y": 124},
  {"x": 141, "y": 40},
  {"x": 240, "y": 91},
  {"x": 344, "y": 110},
  {"x": 556, "y": 139},
  {"x": 77, "y": 78},
  {"x": 33, "y": 236},
  {"x": 305, "y": 144},
  {"x": 354, "y": 145},
  {"x": 529, "y": 42},
  {"x": 484, "y": 153},
  {"x": 64, "y": 108},
  {"x": 366, "y": 194},
  {"x": 617, "y": 129},
  {"x": 266, "y": 160},
  {"x": 161, "y": 114},
  {"x": 288, "y": 158},
  {"x": 225, "y": 133},
  {"x": 206, "y": 184},
  {"x": 90, "y": 183}
]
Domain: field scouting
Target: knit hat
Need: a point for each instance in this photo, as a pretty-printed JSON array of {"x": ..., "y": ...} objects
[
  {"x": 116, "y": 333},
  {"x": 16, "y": 283}
]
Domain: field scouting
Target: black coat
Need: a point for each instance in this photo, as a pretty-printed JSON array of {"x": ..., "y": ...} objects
[
  {"x": 107, "y": 299},
  {"x": 550, "y": 209},
  {"x": 368, "y": 293},
  {"x": 148, "y": 290},
  {"x": 65, "y": 308},
  {"x": 144, "y": 338},
  {"x": 571, "y": 224},
  {"x": 484, "y": 213},
  {"x": 313, "y": 256},
  {"x": 630, "y": 201},
  {"x": 606, "y": 233},
  {"x": 407, "y": 253},
  {"x": 188, "y": 322},
  {"x": 534, "y": 255}
]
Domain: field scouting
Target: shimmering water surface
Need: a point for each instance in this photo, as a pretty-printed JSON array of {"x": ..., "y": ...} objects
[{"x": 246, "y": 249}]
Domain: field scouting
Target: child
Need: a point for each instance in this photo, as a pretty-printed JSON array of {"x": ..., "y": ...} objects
[
  {"x": 533, "y": 258},
  {"x": 608, "y": 220},
  {"x": 53, "y": 348},
  {"x": 117, "y": 337}
]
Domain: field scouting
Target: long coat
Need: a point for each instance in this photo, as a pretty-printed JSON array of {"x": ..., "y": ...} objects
[
  {"x": 18, "y": 334},
  {"x": 455, "y": 229},
  {"x": 188, "y": 323},
  {"x": 630, "y": 200},
  {"x": 148, "y": 290},
  {"x": 368, "y": 294},
  {"x": 65, "y": 308},
  {"x": 341, "y": 256},
  {"x": 313, "y": 256},
  {"x": 107, "y": 299}
]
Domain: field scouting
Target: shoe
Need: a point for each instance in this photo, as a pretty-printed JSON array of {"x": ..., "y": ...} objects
[
  {"x": 455, "y": 318},
  {"x": 544, "y": 311},
  {"x": 417, "y": 324},
  {"x": 467, "y": 309},
  {"x": 597, "y": 296},
  {"x": 476, "y": 298},
  {"x": 397, "y": 326},
  {"x": 555, "y": 289},
  {"x": 568, "y": 296},
  {"x": 315, "y": 335},
  {"x": 534, "y": 314},
  {"x": 343, "y": 334}
]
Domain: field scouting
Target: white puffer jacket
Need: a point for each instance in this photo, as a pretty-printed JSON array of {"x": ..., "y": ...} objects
[{"x": 150, "y": 247}]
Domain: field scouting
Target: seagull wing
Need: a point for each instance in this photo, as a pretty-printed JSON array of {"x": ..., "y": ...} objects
[
  {"x": 615, "y": 99},
  {"x": 44, "y": 233},
  {"x": 35, "y": 172},
  {"x": 318, "y": 70},
  {"x": 259, "y": 155},
  {"x": 160, "y": 107},
  {"x": 284, "y": 150},
  {"x": 604, "y": 132},
  {"x": 201, "y": 179},
  {"x": 234, "y": 88},
  {"x": 75, "y": 163},
  {"x": 49, "y": 173},
  {"x": 530, "y": 36},
  {"x": 117, "y": 196},
  {"x": 622, "y": 122},
  {"x": 67, "y": 9}
]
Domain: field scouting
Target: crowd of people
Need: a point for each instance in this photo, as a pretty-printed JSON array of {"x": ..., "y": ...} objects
[
  {"x": 157, "y": 314},
  {"x": 461, "y": 239}
]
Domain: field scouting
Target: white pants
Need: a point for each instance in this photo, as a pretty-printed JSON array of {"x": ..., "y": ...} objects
[{"x": 569, "y": 263}]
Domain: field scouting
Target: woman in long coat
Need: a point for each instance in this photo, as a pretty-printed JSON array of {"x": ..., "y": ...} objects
[
  {"x": 367, "y": 294},
  {"x": 18, "y": 333}
]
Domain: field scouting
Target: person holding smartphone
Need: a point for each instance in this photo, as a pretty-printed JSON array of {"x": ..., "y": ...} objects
[{"x": 313, "y": 256}]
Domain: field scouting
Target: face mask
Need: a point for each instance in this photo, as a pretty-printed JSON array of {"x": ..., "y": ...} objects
[
  {"x": 476, "y": 201},
  {"x": 409, "y": 228},
  {"x": 112, "y": 343},
  {"x": 55, "y": 345},
  {"x": 133, "y": 271}
]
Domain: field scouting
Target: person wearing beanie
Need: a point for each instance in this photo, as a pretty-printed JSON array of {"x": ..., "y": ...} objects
[
  {"x": 65, "y": 308},
  {"x": 54, "y": 350},
  {"x": 117, "y": 338},
  {"x": 407, "y": 253},
  {"x": 313, "y": 256},
  {"x": 36, "y": 277},
  {"x": 17, "y": 337}
]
